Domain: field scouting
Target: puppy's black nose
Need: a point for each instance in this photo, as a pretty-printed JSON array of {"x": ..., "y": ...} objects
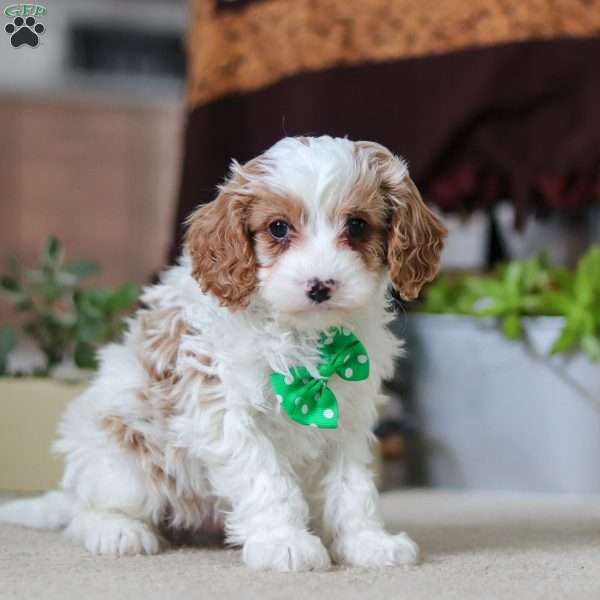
[{"x": 319, "y": 291}]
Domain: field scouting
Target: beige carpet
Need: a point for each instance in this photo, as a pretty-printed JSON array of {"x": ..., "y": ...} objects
[{"x": 483, "y": 547}]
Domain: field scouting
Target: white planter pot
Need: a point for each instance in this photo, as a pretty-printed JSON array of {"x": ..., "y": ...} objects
[
  {"x": 502, "y": 415},
  {"x": 562, "y": 242},
  {"x": 29, "y": 414},
  {"x": 466, "y": 246}
]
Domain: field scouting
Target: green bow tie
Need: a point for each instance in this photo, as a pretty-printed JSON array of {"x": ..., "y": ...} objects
[{"x": 306, "y": 399}]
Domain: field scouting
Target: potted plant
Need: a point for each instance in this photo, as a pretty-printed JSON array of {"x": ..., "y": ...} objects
[
  {"x": 65, "y": 322},
  {"x": 504, "y": 374}
]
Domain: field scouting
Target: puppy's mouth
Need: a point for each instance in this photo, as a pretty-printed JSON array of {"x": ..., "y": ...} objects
[
  {"x": 319, "y": 308},
  {"x": 317, "y": 317},
  {"x": 312, "y": 306},
  {"x": 322, "y": 306}
]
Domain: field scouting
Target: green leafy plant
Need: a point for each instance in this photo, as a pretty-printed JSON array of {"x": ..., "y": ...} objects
[
  {"x": 511, "y": 293},
  {"x": 529, "y": 287},
  {"x": 8, "y": 340},
  {"x": 63, "y": 317},
  {"x": 578, "y": 300},
  {"x": 448, "y": 294}
]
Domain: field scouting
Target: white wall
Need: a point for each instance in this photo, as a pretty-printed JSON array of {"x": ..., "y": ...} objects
[{"x": 42, "y": 69}]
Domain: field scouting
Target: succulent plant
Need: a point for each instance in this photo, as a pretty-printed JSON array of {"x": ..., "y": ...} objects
[
  {"x": 524, "y": 288},
  {"x": 63, "y": 317}
]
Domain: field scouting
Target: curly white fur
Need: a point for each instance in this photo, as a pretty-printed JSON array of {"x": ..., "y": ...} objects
[{"x": 180, "y": 429}]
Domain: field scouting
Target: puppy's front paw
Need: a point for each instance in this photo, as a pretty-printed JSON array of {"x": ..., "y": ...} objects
[
  {"x": 375, "y": 549},
  {"x": 286, "y": 551}
]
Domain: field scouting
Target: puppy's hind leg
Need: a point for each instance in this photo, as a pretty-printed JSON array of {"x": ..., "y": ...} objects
[
  {"x": 116, "y": 513},
  {"x": 113, "y": 534}
]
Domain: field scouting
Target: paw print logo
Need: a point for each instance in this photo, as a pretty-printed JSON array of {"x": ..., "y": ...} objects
[{"x": 24, "y": 31}]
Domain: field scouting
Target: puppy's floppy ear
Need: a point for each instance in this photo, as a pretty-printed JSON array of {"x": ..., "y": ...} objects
[
  {"x": 221, "y": 247},
  {"x": 415, "y": 240},
  {"x": 416, "y": 235}
]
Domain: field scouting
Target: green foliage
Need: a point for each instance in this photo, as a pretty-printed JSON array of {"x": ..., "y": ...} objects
[
  {"x": 529, "y": 288},
  {"x": 61, "y": 315},
  {"x": 448, "y": 295},
  {"x": 511, "y": 293},
  {"x": 8, "y": 340},
  {"x": 579, "y": 301}
]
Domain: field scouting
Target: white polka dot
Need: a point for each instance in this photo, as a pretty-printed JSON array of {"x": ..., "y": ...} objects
[
  {"x": 305, "y": 380},
  {"x": 328, "y": 413},
  {"x": 288, "y": 380},
  {"x": 304, "y": 409},
  {"x": 317, "y": 396},
  {"x": 345, "y": 331},
  {"x": 313, "y": 425},
  {"x": 328, "y": 341},
  {"x": 279, "y": 398},
  {"x": 348, "y": 372},
  {"x": 362, "y": 359}
]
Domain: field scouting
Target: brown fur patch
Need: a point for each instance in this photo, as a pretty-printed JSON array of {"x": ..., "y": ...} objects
[
  {"x": 222, "y": 253},
  {"x": 221, "y": 249},
  {"x": 415, "y": 235},
  {"x": 128, "y": 437},
  {"x": 181, "y": 509},
  {"x": 205, "y": 361},
  {"x": 366, "y": 202},
  {"x": 415, "y": 243},
  {"x": 267, "y": 208},
  {"x": 219, "y": 240},
  {"x": 167, "y": 392},
  {"x": 161, "y": 330}
]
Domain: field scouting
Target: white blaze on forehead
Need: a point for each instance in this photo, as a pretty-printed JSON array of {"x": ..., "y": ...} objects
[{"x": 318, "y": 171}]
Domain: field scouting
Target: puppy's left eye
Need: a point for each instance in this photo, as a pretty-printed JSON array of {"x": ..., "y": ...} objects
[
  {"x": 356, "y": 228},
  {"x": 279, "y": 229}
]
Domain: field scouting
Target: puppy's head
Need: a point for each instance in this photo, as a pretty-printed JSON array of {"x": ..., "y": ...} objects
[{"x": 315, "y": 226}]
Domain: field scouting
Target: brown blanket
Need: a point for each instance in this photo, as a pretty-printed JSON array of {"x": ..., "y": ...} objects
[{"x": 485, "y": 98}]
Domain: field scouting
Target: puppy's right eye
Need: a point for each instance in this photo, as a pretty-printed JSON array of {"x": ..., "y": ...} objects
[{"x": 279, "y": 230}]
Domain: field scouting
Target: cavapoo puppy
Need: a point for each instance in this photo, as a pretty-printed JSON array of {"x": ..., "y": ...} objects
[{"x": 244, "y": 393}]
